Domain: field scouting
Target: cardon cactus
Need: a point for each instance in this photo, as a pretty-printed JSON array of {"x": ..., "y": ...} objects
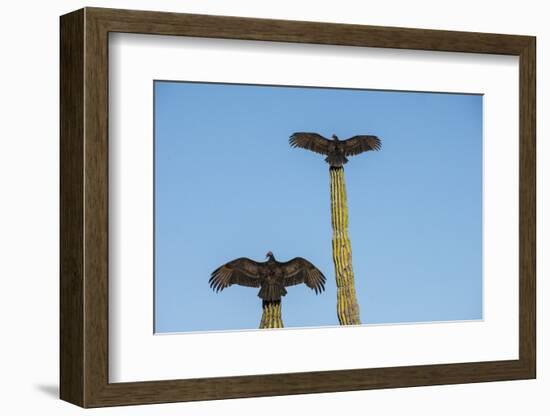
[
  {"x": 271, "y": 316},
  {"x": 347, "y": 306}
]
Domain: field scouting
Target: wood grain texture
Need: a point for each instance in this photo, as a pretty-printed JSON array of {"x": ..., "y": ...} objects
[
  {"x": 96, "y": 228},
  {"x": 162, "y": 23},
  {"x": 84, "y": 207},
  {"x": 71, "y": 213},
  {"x": 527, "y": 208}
]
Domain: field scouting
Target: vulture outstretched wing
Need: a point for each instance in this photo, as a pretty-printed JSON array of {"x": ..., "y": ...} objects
[
  {"x": 241, "y": 271},
  {"x": 310, "y": 141},
  {"x": 359, "y": 144},
  {"x": 299, "y": 270}
]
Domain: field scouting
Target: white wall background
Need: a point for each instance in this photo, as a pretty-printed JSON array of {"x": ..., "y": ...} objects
[{"x": 29, "y": 84}]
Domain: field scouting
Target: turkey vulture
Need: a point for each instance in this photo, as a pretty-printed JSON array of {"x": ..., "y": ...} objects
[
  {"x": 270, "y": 276},
  {"x": 336, "y": 150}
]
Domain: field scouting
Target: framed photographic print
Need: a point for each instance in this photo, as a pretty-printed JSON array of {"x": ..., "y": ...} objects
[{"x": 255, "y": 207}]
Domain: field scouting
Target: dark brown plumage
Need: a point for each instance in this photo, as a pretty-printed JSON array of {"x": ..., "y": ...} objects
[
  {"x": 271, "y": 276},
  {"x": 336, "y": 150}
]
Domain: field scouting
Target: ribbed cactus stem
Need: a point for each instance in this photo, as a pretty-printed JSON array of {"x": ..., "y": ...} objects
[
  {"x": 271, "y": 316},
  {"x": 347, "y": 306}
]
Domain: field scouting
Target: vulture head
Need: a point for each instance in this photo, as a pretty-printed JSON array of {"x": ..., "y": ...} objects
[
  {"x": 269, "y": 255},
  {"x": 334, "y": 137}
]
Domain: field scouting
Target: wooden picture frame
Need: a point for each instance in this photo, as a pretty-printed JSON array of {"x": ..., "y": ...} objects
[{"x": 84, "y": 207}]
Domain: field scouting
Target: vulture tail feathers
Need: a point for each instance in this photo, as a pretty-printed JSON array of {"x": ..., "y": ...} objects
[{"x": 271, "y": 292}]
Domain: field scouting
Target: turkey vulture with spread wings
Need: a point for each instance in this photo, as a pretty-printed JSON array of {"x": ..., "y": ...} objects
[
  {"x": 271, "y": 276},
  {"x": 336, "y": 150}
]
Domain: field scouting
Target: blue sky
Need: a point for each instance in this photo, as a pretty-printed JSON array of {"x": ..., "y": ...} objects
[{"x": 228, "y": 185}]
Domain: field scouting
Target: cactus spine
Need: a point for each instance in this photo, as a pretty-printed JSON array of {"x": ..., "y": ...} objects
[
  {"x": 271, "y": 316},
  {"x": 347, "y": 305}
]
